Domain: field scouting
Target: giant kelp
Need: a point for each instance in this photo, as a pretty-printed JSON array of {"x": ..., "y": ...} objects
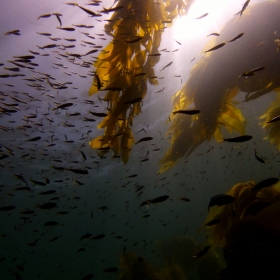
[
  {"x": 247, "y": 230},
  {"x": 126, "y": 65},
  {"x": 219, "y": 76}
]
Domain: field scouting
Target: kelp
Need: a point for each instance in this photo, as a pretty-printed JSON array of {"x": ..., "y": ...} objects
[
  {"x": 177, "y": 262},
  {"x": 125, "y": 65},
  {"x": 217, "y": 78},
  {"x": 248, "y": 230}
]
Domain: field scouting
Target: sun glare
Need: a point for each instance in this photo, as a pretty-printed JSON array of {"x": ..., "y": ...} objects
[{"x": 204, "y": 15}]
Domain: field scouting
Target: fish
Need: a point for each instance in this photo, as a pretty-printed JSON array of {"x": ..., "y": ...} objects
[
  {"x": 78, "y": 171},
  {"x": 7, "y": 208},
  {"x": 47, "y": 192},
  {"x": 238, "y": 139},
  {"x": 58, "y": 18},
  {"x": 98, "y": 114},
  {"x": 88, "y": 11},
  {"x": 258, "y": 158},
  {"x": 220, "y": 200},
  {"x": 98, "y": 81},
  {"x": 132, "y": 176},
  {"x": 44, "y": 16},
  {"x": 106, "y": 11},
  {"x": 265, "y": 183},
  {"x": 276, "y": 119},
  {"x": 50, "y": 46},
  {"x": 202, "y": 252},
  {"x": 244, "y": 7},
  {"x": 144, "y": 139},
  {"x": 154, "y": 54},
  {"x": 204, "y": 15},
  {"x": 66, "y": 28},
  {"x": 155, "y": 200},
  {"x": 213, "y": 34},
  {"x": 184, "y": 199},
  {"x": 216, "y": 47},
  {"x": 44, "y": 34},
  {"x": 90, "y": 52},
  {"x": 14, "y": 32},
  {"x": 99, "y": 236},
  {"x": 88, "y": 277},
  {"x": 33, "y": 139},
  {"x": 166, "y": 65},
  {"x": 39, "y": 183},
  {"x": 187, "y": 112},
  {"x": 87, "y": 235},
  {"x": 47, "y": 205},
  {"x": 110, "y": 269},
  {"x": 139, "y": 38},
  {"x": 135, "y": 100},
  {"x": 62, "y": 106},
  {"x": 213, "y": 222},
  {"x": 236, "y": 38}
]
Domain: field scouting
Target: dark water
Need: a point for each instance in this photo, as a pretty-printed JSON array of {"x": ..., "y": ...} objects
[{"x": 97, "y": 228}]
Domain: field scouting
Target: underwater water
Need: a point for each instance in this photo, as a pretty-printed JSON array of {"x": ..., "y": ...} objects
[{"x": 139, "y": 139}]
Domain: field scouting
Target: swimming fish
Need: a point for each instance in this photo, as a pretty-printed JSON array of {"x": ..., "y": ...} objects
[
  {"x": 258, "y": 158},
  {"x": 184, "y": 199},
  {"x": 242, "y": 138},
  {"x": 155, "y": 200},
  {"x": 33, "y": 139},
  {"x": 276, "y": 119},
  {"x": 251, "y": 72},
  {"x": 204, "y": 15},
  {"x": 213, "y": 222},
  {"x": 220, "y": 200},
  {"x": 144, "y": 139},
  {"x": 202, "y": 252},
  {"x": 236, "y": 38},
  {"x": 244, "y": 7},
  {"x": 213, "y": 34},
  {"x": 216, "y": 47},
  {"x": 265, "y": 183},
  {"x": 187, "y": 112},
  {"x": 166, "y": 65},
  {"x": 139, "y": 38}
]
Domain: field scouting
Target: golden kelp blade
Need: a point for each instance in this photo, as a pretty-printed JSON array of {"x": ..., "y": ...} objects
[
  {"x": 272, "y": 129},
  {"x": 124, "y": 65},
  {"x": 215, "y": 80}
]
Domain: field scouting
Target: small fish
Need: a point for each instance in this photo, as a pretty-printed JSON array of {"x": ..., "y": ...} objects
[
  {"x": 220, "y": 200},
  {"x": 187, "y": 112},
  {"x": 155, "y": 200},
  {"x": 258, "y": 158},
  {"x": 132, "y": 176},
  {"x": 244, "y": 7},
  {"x": 134, "y": 40},
  {"x": 216, "y": 47},
  {"x": 7, "y": 208},
  {"x": 14, "y": 32},
  {"x": 242, "y": 138},
  {"x": 90, "y": 52},
  {"x": 88, "y": 11},
  {"x": 135, "y": 100},
  {"x": 62, "y": 106},
  {"x": 98, "y": 114},
  {"x": 184, "y": 199},
  {"x": 236, "y": 38},
  {"x": 44, "y": 16},
  {"x": 213, "y": 34},
  {"x": 265, "y": 183},
  {"x": 88, "y": 277},
  {"x": 106, "y": 11},
  {"x": 110, "y": 269},
  {"x": 154, "y": 54},
  {"x": 166, "y": 65},
  {"x": 88, "y": 235},
  {"x": 50, "y": 46},
  {"x": 99, "y": 236},
  {"x": 144, "y": 139},
  {"x": 78, "y": 171},
  {"x": 276, "y": 119},
  {"x": 39, "y": 183},
  {"x": 212, "y": 222},
  {"x": 204, "y": 15},
  {"x": 44, "y": 34},
  {"x": 47, "y": 192},
  {"x": 33, "y": 139},
  {"x": 98, "y": 81},
  {"x": 202, "y": 252},
  {"x": 47, "y": 205},
  {"x": 66, "y": 28}
]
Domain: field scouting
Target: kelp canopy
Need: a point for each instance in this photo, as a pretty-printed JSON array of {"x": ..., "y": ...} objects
[
  {"x": 217, "y": 79},
  {"x": 126, "y": 64}
]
